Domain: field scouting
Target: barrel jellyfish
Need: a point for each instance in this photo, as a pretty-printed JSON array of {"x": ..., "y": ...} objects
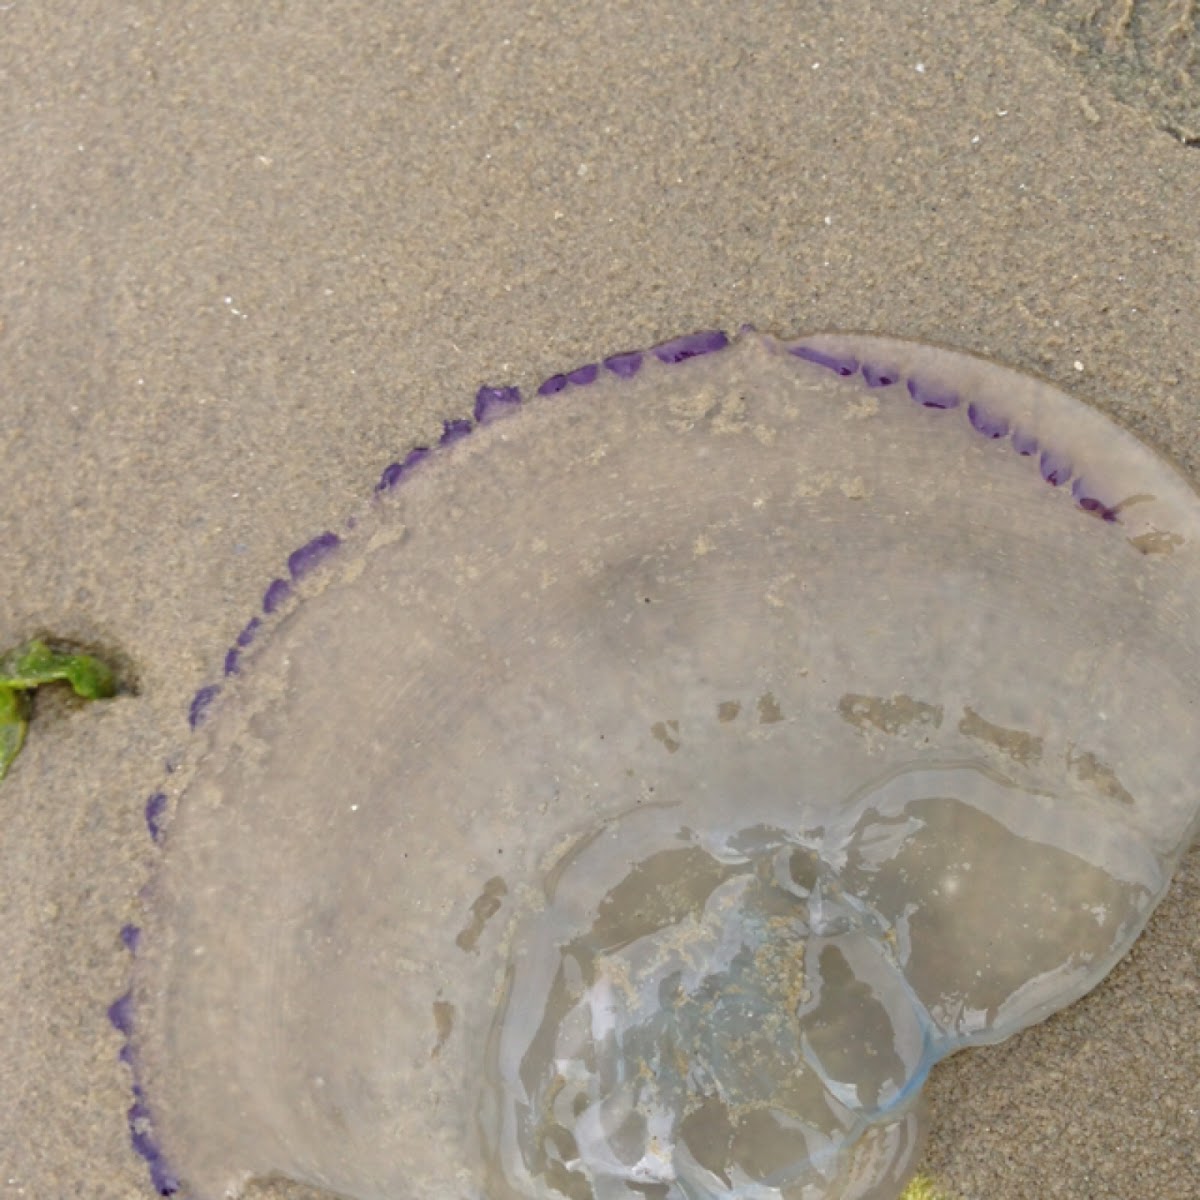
[{"x": 661, "y": 774}]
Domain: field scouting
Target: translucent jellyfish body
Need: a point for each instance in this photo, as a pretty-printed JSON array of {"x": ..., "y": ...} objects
[{"x": 661, "y": 778}]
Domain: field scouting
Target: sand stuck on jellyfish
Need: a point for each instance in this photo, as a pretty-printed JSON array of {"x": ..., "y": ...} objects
[{"x": 662, "y": 775}]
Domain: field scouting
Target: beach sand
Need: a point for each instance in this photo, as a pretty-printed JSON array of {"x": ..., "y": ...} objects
[{"x": 253, "y": 252}]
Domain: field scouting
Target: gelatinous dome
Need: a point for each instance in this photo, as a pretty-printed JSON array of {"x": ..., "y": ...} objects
[{"x": 665, "y": 775}]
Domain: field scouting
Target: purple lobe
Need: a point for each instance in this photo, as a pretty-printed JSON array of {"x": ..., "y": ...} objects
[
  {"x": 232, "y": 666},
  {"x": 143, "y": 1141},
  {"x": 247, "y": 635},
  {"x": 130, "y": 936},
  {"x": 1054, "y": 467},
  {"x": 986, "y": 423},
  {"x": 311, "y": 554},
  {"x": 277, "y": 592},
  {"x": 198, "y": 709},
  {"x": 395, "y": 472},
  {"x": 156, "y": 806},
  {"x": 162, "y": 1178},
  {"x": 1091, "y": 503},
  {"x": 552, "y": 386},
  {"x": 494, "y": 402},
  {"x": 584, "y": 375},
  {"x": 389, "y": 478},
  {"x": 831, "y": 362},
  {"x": 1099, "y": 508},
  {"x": 691, "y": 345},
  {"x": 624, "y": 365},
  {"x": 120, "y": 1013},
  {"x": 931, "y": 396},
  {"x": 454, "y": 431},
  {"x": 1024, "y": 444},
  {"x": 877, "y": 377}
]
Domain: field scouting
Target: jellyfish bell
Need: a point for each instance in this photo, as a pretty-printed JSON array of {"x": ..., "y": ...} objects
[{"x": 663, "y": 776}]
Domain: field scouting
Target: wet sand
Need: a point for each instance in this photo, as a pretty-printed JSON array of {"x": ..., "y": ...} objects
[{"x": 253, "y": 253}]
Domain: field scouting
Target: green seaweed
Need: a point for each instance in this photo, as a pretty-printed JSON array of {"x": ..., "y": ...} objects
[{"x": 31, "y": 665}]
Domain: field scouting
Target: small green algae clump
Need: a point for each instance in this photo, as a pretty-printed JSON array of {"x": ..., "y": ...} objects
[
  {"x": 32, "y": 664},
  {"x": 921, "y": 1187}
]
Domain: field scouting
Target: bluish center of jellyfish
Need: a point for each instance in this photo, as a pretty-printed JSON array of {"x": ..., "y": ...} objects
[{"x": 726, "y": 1024}]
